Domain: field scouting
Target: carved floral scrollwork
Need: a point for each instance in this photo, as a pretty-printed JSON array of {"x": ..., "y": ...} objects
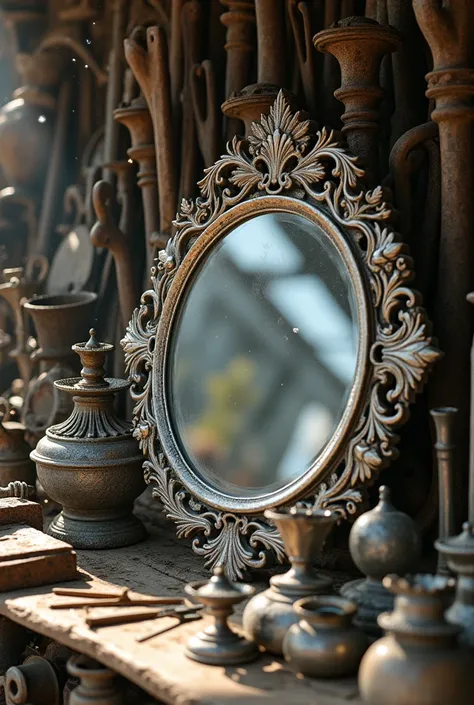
[{"x": 283, "y": 157}]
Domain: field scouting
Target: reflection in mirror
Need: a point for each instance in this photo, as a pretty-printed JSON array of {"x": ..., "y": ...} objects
[{"x": 264, "y": 355}]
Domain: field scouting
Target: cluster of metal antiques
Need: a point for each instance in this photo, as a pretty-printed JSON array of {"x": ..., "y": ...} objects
[{"x": 273, "y": 359}]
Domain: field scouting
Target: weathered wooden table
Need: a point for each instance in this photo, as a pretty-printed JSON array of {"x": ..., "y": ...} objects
[{"x": 162, "y": 565}]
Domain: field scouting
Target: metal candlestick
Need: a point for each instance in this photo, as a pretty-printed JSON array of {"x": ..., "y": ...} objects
[
  {"x": 444, "y": 418},
  {"x": 459, "y": 550},
  {"x": 218, "y": 644}
]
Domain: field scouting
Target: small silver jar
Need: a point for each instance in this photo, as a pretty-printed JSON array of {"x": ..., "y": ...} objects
[{"x": 324, "y": 643}]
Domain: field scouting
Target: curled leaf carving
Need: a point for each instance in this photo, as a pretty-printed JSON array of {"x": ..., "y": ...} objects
[{"x": 283, "y": 156}]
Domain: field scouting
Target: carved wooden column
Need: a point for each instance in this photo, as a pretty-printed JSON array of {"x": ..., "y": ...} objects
[
  {"x": 271, "y": 42},
  {"x": 359, "y": 45},
  {"x": 240, "y": 23},
  {"x": 251, "y": 102},
  {"x": 136, "y": 118},
  {"x": 240, "y": 44},
  {"x": 449, "y": 30}
]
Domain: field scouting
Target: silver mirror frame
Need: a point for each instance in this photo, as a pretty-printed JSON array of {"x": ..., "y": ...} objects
[{"x": 284, "y": 166}]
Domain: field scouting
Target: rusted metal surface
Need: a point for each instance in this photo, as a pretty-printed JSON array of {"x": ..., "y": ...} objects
[
  {"x": 147, "y": 55},
  {"x": 106, "y": 233}
]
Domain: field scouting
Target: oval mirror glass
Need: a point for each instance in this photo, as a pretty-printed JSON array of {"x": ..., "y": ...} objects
[{"x": 263, "y": 355}]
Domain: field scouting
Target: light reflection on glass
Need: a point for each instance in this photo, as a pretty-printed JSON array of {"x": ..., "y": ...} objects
[{"x": 264, "y": 355}]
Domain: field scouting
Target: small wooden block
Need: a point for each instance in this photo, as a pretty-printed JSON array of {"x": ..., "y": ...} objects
[
  {"x": 29, "y": 558},
  {"x": 21, "y": 511}
]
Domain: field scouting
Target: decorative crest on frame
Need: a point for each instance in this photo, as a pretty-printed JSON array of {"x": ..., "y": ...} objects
[{"x": 284, "y": 157}]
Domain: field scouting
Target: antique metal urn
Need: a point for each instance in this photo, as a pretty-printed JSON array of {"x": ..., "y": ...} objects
[
  {"x": 90, "y": 463},
  {"x": 419, "y": 661},
  {"x": 270, "y": 614}
]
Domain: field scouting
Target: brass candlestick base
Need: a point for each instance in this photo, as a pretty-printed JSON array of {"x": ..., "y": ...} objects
[
  {"x": 218, "y": 644},
  {"x": 459, "y": 552}
]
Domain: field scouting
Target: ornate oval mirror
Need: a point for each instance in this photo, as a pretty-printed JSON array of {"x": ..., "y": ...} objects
[
  {"x": 280, "y": 346},
  {"x": 256, "y": 400}
]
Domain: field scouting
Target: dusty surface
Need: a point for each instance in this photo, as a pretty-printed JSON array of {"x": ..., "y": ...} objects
[{"x": 162, "y": 565}]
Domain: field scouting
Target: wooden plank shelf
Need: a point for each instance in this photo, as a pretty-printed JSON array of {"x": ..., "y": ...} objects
[{"x": 162, "y": 565}]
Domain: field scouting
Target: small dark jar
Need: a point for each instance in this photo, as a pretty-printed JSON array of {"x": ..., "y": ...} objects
[{"x": 324, "y": 643}]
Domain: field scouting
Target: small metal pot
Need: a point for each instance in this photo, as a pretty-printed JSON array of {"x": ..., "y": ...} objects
[
  {"x": 60, "y": 320},
  {"x": 324, "y": 643}
]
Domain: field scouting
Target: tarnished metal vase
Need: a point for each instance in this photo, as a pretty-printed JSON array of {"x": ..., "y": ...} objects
[
  {"x": 60, "y": 320},
  {"x": 269, "y": 615},
  {"x": 15, "y": 462},
  {"x": 324, "y": 643},
  {"x": 419, "y": 662},
  {"x": 382, "y": 541},
  {"x": 26, "y": 131},
  {"x": 90, "y": 463}
]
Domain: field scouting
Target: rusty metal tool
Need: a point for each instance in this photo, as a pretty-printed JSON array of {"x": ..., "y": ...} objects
[
  {"x": 110, "y": 620},
  {"x": 109, "y": 599},
  {"x": 206, "y": 113},
  {"x": 181, "y": 618}
]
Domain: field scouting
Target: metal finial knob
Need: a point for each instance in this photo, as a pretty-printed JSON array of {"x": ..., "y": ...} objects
[{"x": 92, "y": 342}]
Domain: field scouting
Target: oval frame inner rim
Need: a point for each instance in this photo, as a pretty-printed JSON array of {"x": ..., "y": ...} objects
[{"x": 302, "y": 486}]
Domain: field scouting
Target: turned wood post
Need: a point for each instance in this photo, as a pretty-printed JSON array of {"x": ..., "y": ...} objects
[
  {"x": 240, "y": 23},
  {"x": 249, "y": 104},
  {"x": 449, "y": 32},
  {"x": 271, "y": 42},
  {"x": 137, "y": 120},
  {"x": 359, "y": 45}
]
